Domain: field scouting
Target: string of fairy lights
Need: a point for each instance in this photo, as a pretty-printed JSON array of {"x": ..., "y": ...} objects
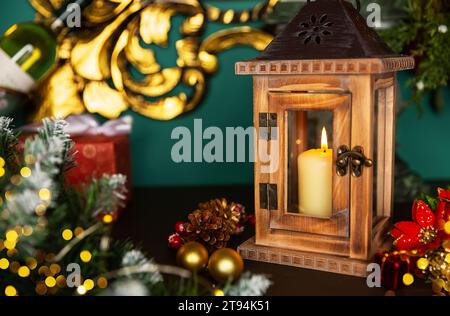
[{"x": 50, "y": 271}]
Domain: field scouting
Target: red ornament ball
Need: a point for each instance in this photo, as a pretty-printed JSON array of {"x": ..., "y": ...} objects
[
  {"x": 175, "y": 241},
  {"x": 180, "y": 229}
]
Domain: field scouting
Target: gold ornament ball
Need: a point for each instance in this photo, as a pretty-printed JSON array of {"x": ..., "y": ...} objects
[
  {"x": 225, "y": 264},
  {"x": 408, "y": 279},
  {"x": 193, "y": 256}
]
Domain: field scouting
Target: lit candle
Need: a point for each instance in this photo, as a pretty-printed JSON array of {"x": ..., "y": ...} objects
[{"x": 315, "y": 180}]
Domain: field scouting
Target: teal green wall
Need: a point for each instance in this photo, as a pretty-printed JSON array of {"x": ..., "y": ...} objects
[{"x": 423, "y": 142}]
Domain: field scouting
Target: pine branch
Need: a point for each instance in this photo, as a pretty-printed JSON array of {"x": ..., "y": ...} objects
[
  {"x": 8, "y": 138},
  {"x": 249, "y": 285},
  {"x": 424, "y": 34},
  {"x": 105, "y": 195}
]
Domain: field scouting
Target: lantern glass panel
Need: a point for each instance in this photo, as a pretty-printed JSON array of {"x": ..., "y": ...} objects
[{"x": 311, "y": 178}]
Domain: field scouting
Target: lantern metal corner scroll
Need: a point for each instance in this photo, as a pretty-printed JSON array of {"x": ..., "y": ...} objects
[{"x": 330, "y": 81}]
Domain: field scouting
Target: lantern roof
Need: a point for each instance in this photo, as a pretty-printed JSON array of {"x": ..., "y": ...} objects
[{"x": 327, "y": 31}]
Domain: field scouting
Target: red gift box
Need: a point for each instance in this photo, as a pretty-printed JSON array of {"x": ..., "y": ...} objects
[
  {"x": 394, "y": 265},
  {"x": 101, "y": 149},
  {"x": 98, "y": 155}
]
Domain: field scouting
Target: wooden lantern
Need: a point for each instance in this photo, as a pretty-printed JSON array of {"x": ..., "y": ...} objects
[{"x": 324, "y": 206}]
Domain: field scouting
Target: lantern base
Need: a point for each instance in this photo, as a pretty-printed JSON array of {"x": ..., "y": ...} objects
[{"x": 249, "y": 250}]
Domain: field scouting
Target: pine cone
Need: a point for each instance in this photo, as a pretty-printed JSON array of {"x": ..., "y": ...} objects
[{"x": 213, "y": 223}]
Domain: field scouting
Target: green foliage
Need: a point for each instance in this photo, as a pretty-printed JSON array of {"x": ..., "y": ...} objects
[
  {"x": 8, "y": 138},
  {"x": 432, "y": 202},
  {"x": 424, "y": 34}
]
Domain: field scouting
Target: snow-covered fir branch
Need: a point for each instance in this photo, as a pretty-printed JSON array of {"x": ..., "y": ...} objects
[
  {"x": 8, "y": 138},
  {"x": 249, "y": 285},
  {"x": 110, "y": 193},
  {"x": 45, "y": 156},
  {"x": 136, "y": 258}
]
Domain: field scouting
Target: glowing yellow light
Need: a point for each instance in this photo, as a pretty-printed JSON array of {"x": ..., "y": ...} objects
[
  {"x": 67, "y": 234},
  {"x": 45, "y": 194},
  {"x": 89, "y": 284},
  {"x": 25, "y": 172},
  {"x": 23, "y": 272},
  {"x": 11, "y": 30},
  {"x": 61, "y": 281},
  {"x": 228, "y": 17},
  {"x": 29, "y": 159},
  {"x": 408, "y": 279},
  {"x": 41, "y": 289},
  {"x": 218, "y": 292},
  {"x": 108, "y": 219},
  {"x": 16, "y": 180},
  {"x": 2, "y": 162},
  {"x": 85, "y": 256},
  {"x": 9, "y": 244},
  {"x": 78, "y": 231},
  {"x": 4, "y": 264},
  {"x": 50, "y": 281},
  {"x": 213, "y": 13},
  {"x": 40, "y": 210},
  {"x": 102, "y": 283},
  {"x": 8, "y": 195},
  {"x": 55, "y": 268},
  {"x": 244, "y": 16},
  {"x": 81, "y": 290},
  {"x": 10, "y": 291},
  {"x": 27, "y": 231},
  {"x": 324, "y": 140},
  {"x": 2, "y": 172},
  {"x": 31, "y": 263},
  {"x": 193, "y": 258},
  {"x": 12, "y": 236},
  {"x": 447, "y": 228},
  {"x": 447, "y": 258},
  {"x": 226, "y": 266},
  {"x": 422, "y": 263},
  {"x": 44, "y": 270}
]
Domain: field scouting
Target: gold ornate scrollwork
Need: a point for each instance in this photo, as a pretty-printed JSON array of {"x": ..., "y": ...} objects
[{"x": 111, "y": 65}]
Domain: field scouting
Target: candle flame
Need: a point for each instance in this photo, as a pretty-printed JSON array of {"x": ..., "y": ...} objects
[{"x": 324, "y": 139}]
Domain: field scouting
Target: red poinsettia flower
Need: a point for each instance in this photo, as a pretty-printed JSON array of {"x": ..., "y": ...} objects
[{"x": 420, "y": 234}]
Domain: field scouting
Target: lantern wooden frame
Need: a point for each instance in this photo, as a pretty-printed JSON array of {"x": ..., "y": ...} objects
[{"x": 349, "y": 87}]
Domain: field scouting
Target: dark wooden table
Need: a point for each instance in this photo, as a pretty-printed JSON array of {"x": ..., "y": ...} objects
[{"x": 151, "y": 215}]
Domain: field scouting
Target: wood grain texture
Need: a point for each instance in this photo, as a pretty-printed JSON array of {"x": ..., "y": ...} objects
[
  {"x": 381, "y": 240},
  {"x": 351, "y": 99},
  {"x": 389, "y": 160},
  {"x": 310, "y": 83},
  {"x": 325, "y": 67},
  {"x": 381, "y": 147},
  {"x": 305, "y": 242},
  {"x": 260, "y": 86},
  {"x": 249, "y": 250},
  {"x": 325, "y": 30},
  {"x": 361, "y": 188}
]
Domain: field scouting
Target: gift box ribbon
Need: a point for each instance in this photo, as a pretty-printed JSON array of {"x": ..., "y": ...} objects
[{"x": 87, "y": 125}]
